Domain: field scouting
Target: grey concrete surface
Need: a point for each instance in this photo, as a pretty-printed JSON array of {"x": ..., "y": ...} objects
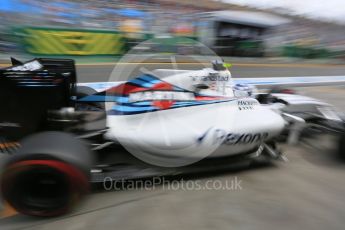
[
  {"x": 305, "y": 193},
  {"x": 102, "y": 72}
]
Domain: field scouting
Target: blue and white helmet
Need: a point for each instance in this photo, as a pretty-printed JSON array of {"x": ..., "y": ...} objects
[{"x": 243, "y": 90}]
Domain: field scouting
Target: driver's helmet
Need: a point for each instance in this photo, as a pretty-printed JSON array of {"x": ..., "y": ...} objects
[{"x": 243, "y": 90}]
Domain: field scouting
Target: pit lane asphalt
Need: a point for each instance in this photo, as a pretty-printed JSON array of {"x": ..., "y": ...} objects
[
  {"x": 102, "y": 72},
  {"x": 305, "y": 193}
]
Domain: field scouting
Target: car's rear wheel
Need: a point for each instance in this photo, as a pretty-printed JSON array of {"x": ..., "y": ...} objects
[{"x": 48, "y": 175}]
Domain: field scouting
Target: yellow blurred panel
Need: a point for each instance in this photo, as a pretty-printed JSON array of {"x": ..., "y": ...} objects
[{"x": 60, "y": 42}]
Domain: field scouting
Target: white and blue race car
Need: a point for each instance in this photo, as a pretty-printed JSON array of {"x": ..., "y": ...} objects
[{"x": 60, "y": 135}]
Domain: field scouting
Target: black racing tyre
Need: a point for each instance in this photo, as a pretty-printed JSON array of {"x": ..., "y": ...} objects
[
  {"x": 48, "y": 175},
  {"x": 83, "y": 91}
]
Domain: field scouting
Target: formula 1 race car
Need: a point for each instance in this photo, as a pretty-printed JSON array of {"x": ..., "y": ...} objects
[{"x": 58, "y": 135}]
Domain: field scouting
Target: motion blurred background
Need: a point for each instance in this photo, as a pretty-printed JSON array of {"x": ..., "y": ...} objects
[
  {"x": 305, "y": 193},
  {"x": 108, "y": 29}
]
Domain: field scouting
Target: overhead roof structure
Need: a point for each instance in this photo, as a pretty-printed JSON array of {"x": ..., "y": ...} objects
[{"x": 252, "y": 18}]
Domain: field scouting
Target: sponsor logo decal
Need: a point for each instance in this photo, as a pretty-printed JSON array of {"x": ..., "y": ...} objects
[
  {"x": 161, "y": 96},
  {"x": 30, "y": 66},
  {"x": 223, "y": 137},
  {"x": 212, "y": 76},
  {"x": 9, "y": 124},
  {"x": 246, "y": 105},
  {"x": 161, "y": 99},
  {"x": 149, "y": 94},
  {"x": 215, "y": 77}
]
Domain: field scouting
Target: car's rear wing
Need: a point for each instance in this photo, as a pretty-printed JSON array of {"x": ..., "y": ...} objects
[{"x": 29, "y": 90}]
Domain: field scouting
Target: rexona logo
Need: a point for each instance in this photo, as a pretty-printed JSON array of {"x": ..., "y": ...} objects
[{"x": 220, "y": 136}]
